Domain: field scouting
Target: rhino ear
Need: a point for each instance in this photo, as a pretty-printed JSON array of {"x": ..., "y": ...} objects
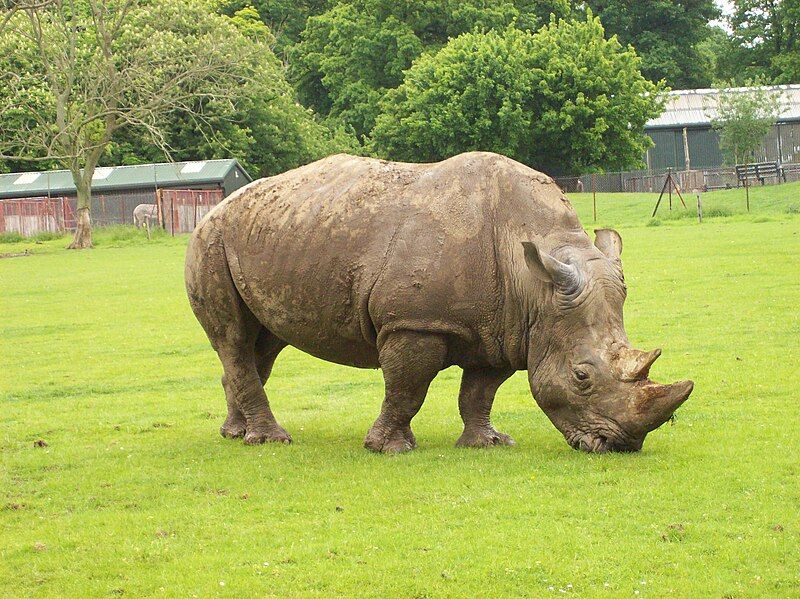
[
  {"x": 609, "y": 242},
  {"x": 546, "y": 268}
]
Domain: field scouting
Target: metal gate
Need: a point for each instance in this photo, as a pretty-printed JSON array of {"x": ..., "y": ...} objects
[
  {"x": 30, "y": 216},
  {"x": 179, "y": 210}
]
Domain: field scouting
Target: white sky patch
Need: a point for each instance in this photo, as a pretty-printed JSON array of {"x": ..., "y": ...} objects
[{"x": 726, "y": 6}]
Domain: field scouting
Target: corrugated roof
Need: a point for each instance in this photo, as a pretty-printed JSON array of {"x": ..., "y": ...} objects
[
  {"x": 693, "y": 107},
  {"x": 167, "y": 174}
]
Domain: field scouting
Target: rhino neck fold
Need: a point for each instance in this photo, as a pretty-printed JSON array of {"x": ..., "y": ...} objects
[{"x": 522, "y": 312}]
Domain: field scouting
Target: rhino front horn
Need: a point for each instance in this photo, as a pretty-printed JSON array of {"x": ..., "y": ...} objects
[
  {"x": 635, "y": 364},
  {"x": 659, "y": 402}
]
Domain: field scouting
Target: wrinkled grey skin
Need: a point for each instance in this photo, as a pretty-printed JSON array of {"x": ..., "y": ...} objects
[
  {"x": 476, "y": 261},
  {"x": 145, "y": 214}
]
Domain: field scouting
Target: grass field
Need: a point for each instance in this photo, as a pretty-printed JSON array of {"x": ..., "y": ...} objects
[{"x": 137, "y": 495}]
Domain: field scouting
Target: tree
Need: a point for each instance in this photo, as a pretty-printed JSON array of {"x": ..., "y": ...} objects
[
  {"x": 665, "y": 33},
  {"x": 286, "y": 19},
  {"x": 98, "y": 66},
  {"x": 349, "y": 56},
  {"x": 743, "y": 117},
  {"x": 767, "y": 36},
  {"x": 717, "y": 55},
  {"x": 266, "y": 128},
  {"x": 563, "y": 100}
]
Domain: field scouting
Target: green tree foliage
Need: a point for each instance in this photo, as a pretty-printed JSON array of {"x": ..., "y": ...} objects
[
  {"x": 286, "y": 19},
  {"x": 351, "y": 55},
  {"x": 666, "y": 34},
  {"x": 562, "y": 100},
  {"x": 266, "y": 128},
  {"x": 717, "y": 56},
  {"x": 766, "y": 34},
  {"x": 743, "y": 119}
]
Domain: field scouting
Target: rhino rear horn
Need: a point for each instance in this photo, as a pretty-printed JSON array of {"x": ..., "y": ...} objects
[
  {"x": 635, "y": 364},
  {"x": 609, "y": 242},
  {"x": 566, "y": 277}
]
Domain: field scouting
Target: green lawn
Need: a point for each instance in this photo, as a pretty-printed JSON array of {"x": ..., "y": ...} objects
[{"x": 137, "y": 495}]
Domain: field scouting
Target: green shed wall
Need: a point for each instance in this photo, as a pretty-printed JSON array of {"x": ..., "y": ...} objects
[{"x": 781, "y": 143}]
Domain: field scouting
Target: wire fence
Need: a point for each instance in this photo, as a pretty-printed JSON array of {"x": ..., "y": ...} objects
[{"x": 653, "y": 181}]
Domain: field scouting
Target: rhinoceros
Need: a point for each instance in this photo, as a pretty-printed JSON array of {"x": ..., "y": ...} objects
[{"x": 476, "y": 261}]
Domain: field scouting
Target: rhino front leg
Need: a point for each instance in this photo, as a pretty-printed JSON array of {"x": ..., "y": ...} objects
[
  {"x": 478, "y": 388},
  {"x": 409, "y": 361}
]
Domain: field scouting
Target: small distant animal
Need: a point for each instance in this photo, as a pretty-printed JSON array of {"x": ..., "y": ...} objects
[
  {"x": 145, "y": 214},
  {"x": 579, "y": 186}
]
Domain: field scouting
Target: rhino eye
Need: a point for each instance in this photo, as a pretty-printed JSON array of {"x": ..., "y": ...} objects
[{"x": 581, "y": 375}]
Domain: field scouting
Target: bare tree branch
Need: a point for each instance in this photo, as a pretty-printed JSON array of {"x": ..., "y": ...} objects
[{"x": 8, "y": 8}]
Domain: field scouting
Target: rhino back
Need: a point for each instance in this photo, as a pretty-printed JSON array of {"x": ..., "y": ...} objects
[{"x": 333, "y": 256}]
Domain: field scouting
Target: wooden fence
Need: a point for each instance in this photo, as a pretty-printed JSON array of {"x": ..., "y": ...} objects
[
  {"x": 179, "y": 210},
  {"x": 30, "y": 216}
]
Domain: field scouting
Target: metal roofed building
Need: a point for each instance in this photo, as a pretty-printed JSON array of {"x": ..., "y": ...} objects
[
  {"x": 185, "y": 191},
  {"x": 140, "y": 179},
  {"x": 693, "y": 110}
]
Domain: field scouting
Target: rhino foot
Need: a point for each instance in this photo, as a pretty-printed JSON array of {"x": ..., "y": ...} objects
[
  {"x": 233, "y": 429},
  {"x": 483, "y": 437},
  {"x": 394, "y": 441},
  {"x": 273, "y": 434}
]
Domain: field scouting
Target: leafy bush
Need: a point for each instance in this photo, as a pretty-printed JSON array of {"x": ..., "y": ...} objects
[
  {"x": 352, "y": 54},
  {"x": 128, "y": 235},
  {"x": 717, "y": 211},
  {"x": 47, "y": 236},
  {"x": 561, "y": 100},
  {"x": 11, "y": 237},
  {"x": 679, "y": 214}
]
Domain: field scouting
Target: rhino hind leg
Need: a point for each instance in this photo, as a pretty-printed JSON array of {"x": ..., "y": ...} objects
[
  {"x": 246, "y": 349},
  {"x": 410, "y": 361},
  {"x": 267, "y": 348},
  {"x": 235, "y": 425},
  {"x": 478, "y": 388},
  {"x": 245, "y": 371}
]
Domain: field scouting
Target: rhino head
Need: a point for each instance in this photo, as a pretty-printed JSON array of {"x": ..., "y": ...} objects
[{"x": 585, "y": 376}]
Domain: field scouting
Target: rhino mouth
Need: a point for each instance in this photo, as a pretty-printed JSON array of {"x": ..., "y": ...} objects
[{"x": 605, "y": 441}]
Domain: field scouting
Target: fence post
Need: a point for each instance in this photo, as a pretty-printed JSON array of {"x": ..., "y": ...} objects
[
  {"x": 594, "y": 198},
  {"x": 687, "y": 161},
  {"x": 194, "y": 210},
  {"x": 699, "y": 209},
  {"x": 669, "y": 186},
  {"x": 159, "y": 209}
]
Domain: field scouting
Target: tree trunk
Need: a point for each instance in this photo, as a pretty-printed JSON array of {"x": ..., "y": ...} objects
[{"x": 83, "y": 222}]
